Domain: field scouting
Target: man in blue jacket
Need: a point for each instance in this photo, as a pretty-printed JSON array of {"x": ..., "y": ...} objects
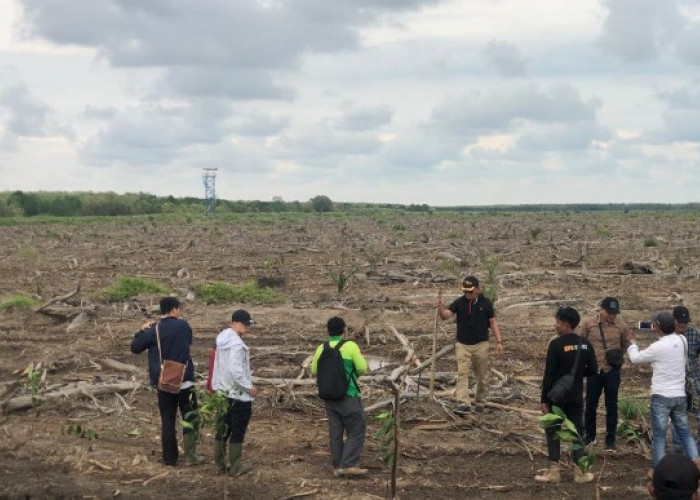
[{"x": 175, "y": 341}]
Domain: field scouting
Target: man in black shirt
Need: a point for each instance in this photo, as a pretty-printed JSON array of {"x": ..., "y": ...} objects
[
  {"x": 561, "y": 355},
  {"x": 475, "y": 315}
]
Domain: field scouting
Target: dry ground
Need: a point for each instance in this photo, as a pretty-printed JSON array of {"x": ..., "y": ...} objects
[{"x": 401, "y": 262}]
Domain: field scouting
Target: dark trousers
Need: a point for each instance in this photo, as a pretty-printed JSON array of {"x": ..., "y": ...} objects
[
  {"x": 168, "y": 404},
  {"x": 346, "y": 416},
  {"x": 235, "y": 422},
  {"x": 609, "y": 383},
  {"x": 574, "y": 412}
]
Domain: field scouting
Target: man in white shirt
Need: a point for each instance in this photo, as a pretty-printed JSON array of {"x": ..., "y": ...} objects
[{"x": 667, "y": 357}]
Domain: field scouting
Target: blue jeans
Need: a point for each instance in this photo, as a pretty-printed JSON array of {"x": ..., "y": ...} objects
[
  {"x": 661, "y": 408},
  {"x": 677, "y": 448}
]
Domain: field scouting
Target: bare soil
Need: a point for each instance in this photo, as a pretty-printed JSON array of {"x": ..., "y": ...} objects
[{"x": 400, "y": 262}]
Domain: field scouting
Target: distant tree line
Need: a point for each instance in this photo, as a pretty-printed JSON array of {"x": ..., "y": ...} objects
[{"x": 65, "y": 204}]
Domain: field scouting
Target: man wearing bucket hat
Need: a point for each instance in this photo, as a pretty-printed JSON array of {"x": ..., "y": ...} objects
[{"x": 474, "y": 317}]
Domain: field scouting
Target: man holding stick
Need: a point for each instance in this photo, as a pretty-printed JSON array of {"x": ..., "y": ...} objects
[{"x": 475, "y": 315}]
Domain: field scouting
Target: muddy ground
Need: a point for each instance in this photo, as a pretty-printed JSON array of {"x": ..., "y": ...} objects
[{"x": 399, "y": 264}]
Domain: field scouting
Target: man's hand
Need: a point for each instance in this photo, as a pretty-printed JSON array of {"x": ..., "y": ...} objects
[
  {"x": 499, "y": 348},
  {"x": 147, "y": 325},
  {"x": 254, "y": 391},
  {"x": 545, "y": 408}
]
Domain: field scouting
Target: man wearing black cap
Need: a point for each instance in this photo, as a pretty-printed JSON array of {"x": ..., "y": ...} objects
[
  {"x": 232, "y": 377},
  {"x": 606, "y": 332},
  {"x": 681, "y": 314},
  {"x": 475, "y": 315},
  {"x": 675, "y": 478},
  {"x": 668, "y": 400}
]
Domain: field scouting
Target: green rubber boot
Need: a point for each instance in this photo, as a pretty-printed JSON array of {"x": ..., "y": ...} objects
[
  {"x": 234, "y": 454},
  {"x": 220, "y": 456},
  {"x": 189, "y": 442}
]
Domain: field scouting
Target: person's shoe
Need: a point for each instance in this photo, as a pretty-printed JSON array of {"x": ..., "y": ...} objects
[
  {"x": 610, "y": 447},
  {"x": 237, "y": 467},
  {"x": 478, "y": 408},
  {"x": 189, "y": 442},
  {"x": 351, "y": 471},
  {"x": 589, "y": 442},
  {"x": 463, "y": 410},
  {"x": 583, "y": 477},
  {"x": 550, "y": 475},
  {"x": 220, "y": 456}
]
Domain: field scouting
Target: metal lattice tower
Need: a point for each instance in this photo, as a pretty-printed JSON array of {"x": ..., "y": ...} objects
[{"x": 209, "y": 179}]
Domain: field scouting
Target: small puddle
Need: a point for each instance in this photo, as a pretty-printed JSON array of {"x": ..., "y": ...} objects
[{"x": 375, "y": 363}]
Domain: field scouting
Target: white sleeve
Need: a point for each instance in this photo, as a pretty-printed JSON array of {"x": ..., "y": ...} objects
[{"x": 647, "y": 355}]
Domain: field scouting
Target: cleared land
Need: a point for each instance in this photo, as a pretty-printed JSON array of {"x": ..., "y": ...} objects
[{"x": 398, "y": 263}]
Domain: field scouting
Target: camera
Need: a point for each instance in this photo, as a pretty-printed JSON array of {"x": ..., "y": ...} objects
[{"x": 645, "y": 325}]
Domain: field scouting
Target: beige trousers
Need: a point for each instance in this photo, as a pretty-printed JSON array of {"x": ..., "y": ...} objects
[{"x": 478, "y": 354}]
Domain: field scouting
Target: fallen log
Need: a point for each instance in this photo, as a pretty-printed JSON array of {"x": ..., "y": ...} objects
[
  {"x": 118, "y": 366},
  {"x": 57, "y": 299},
  {"x": 80, "y": 391}
]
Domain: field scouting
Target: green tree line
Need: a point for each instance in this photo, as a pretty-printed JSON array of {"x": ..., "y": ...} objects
[{"x": 76, "y": 204}]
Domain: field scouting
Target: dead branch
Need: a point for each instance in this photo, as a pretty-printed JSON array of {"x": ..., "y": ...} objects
[
  {"x": 154, "y": 478},
  {"x": 60, "y": 298},
  {"x": 498, "y": 374},
  {"x": 84, "y": 390},
  {"x": 301, "y": 494},
  {"x": 441, "y": 353},
  {"x": 524, "y": 411},
  {"x": 541, "y": 303},
  {"x": 410, "y": 354}
]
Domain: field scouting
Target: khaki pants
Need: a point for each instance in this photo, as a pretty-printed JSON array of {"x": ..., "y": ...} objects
[{"x": 478, "y": 354}]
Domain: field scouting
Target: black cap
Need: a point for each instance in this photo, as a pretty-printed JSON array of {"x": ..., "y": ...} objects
[
  {"x": 611, "y": 305},
  {"x": 681, "y": 314},
  {"x": 665, "y": 321},
  {"x": 242, "y": 316},
  {"x": 470, "y": 283},
  {"x": 675, "y": 476}
]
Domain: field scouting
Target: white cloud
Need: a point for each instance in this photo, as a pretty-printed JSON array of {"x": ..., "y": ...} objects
[
  {"x": 406, "y": 101},
  {"x": 506, "y": 58}
]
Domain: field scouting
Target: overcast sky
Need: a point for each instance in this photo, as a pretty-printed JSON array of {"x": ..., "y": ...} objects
[{"x": 468, "y": 102}]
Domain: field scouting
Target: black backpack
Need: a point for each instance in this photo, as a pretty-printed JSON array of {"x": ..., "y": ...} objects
[{"x": 330, "y": 374}]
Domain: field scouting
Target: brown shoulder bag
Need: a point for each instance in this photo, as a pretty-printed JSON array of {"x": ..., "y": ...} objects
[{"x": 172, "y": 373}]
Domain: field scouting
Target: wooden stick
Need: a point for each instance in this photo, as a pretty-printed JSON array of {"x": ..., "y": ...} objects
[
  {"x": 432, "y": 357},
  {"x": 397, "y": 425}
]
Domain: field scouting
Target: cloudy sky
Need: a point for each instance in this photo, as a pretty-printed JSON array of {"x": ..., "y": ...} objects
[{"x": 443, "y": 102}]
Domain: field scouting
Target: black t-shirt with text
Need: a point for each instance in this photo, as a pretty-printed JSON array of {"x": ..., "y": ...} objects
[
  {"x": 561, "y": 354},
  {"x": 472, "y": 319}
]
